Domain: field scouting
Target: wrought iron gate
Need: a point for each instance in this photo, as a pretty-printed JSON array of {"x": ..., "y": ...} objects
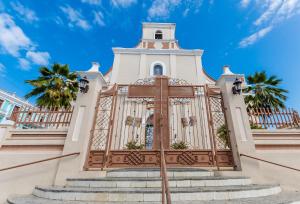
[{"x": 125, "y": 123}]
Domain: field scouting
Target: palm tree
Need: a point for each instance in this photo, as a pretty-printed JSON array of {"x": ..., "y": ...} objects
[
  {"x": 265, "y": 91},
  {"x": 55, "y": 88}
]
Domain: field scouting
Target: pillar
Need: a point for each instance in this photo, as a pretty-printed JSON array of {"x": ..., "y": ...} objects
[
  {"x": 241, "y": 138},
  {"x": 79, "y": 130}
]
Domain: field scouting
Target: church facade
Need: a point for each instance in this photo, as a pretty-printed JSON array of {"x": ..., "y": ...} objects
[
  {"x": 155, "y": 113},
  {"x": 159, "y": 91},
  {"x": 158, "y": 52}
]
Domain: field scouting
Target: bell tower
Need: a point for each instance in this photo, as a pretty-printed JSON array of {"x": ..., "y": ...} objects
[
  {"x": 158, "y": 36},
  {"x": 157, "y": 54}
]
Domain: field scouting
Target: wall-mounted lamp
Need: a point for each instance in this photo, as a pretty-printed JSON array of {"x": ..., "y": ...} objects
[
  {"x": 83, "y": 85},
  {"x": 237, "y": 86}
]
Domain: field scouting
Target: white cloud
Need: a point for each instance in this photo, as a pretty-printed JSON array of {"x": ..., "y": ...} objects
[
  {"x": 186, "y": 12},
  {"x": 255, "y": 37},
  {"x": 75, "y": 18},
  {"x": 275, "y": 11},
  {"x": 2, "y": 69},
  {"x": 39, "y": 58},
  {"x": 123, "y": 3},
  {"x": 271, "y": 9},
  {"x": 12, "y": 38},
  {"x": 164, "y": 8},
  {"x": 92, "y": 2},
  {"x": 24, "y": 64},
  {"x": 26, "y": 14},
  {"x": 245, "y": 3},
  {"x": 13, "y": 41},
  {"x": 99, "y": 18},
  {"x": 58, "y": 20},
  {"x": 272, "y": 12}
]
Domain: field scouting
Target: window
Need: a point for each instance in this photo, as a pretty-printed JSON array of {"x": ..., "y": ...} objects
[
  {"x": 158, "y": 35},
  {"x": 157, "y": 69}
]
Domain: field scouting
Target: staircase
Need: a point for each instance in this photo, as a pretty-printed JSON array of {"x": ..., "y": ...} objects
[{"x": 144, "y": 186}]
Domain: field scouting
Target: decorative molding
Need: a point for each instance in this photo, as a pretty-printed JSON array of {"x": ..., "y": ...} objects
[
  {"x": 159, "y": 25},
  {"x": 31, "y": 147},
  {"x": 277, "y": 146},
  {"x": 118, "y": 50},
  {"x": 151, "y": 158}
]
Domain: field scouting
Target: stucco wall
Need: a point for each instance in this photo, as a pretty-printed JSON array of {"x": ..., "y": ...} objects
[
  {"x": 287, "y": 178},
  {"x": 128, "y": 71},
  {"x": 20, "y": 146},
  {"x": 24, "y": 179},
  {"x": 282, "y": 147},
  {"x": 128, "y": 68}
]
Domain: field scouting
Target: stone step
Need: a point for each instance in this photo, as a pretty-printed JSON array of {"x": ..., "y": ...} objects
[
  {"x": 154, "y": 194},
  {"x": 155, "y": 172},
  {"x": 281, "y": 198},
  {"x": 136, "y": 182}
]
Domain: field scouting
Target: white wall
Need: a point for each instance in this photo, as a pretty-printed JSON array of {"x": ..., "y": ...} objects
[
  {"x": 24, "y": 179},
  {"x": 287, "y": 178},
  {"x": 128, "y": 68}
]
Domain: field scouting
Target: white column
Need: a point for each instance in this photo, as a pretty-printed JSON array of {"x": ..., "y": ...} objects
[
  {"x": 79, "y": 130},
  {"x": 238, "y": 124},
  {"x": 115, "y": 70}
]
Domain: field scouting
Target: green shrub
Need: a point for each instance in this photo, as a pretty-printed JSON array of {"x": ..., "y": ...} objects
[
  {"x": 179, "y": 145},
  {"x": 134, "y": 145},
  {"x": 223, "y": 135}
]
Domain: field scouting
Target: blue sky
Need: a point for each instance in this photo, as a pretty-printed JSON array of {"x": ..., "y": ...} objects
[{"x": 248, "y": 35}]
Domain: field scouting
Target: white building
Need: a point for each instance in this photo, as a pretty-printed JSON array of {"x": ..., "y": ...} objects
[
  {"x": 158, "y": 53},
  {"x": 10, "y": 103}
]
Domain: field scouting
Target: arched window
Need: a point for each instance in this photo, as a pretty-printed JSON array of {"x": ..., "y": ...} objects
[
  {"x": 158, "y": 35},
  {"x": 157, "y": 70},
  {"x": 149, "y": 132}
]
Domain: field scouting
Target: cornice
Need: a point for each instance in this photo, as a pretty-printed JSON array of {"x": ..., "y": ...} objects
[
  {"x": 196, "y": 52},
  {"x": 159, "y": 25}
]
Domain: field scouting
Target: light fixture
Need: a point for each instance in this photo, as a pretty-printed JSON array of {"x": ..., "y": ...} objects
[
  {"x": 83, "y": 85},
  {"x": 237, "y": 86}
]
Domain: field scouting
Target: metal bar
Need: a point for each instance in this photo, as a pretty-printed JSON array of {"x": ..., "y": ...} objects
[
  {"x": 278, "y": 118},
  {"x": 211, "y": 123},
  {"x": 269, "y": 162},
  {"x": 86, "y": 166},
  {"x": 111, "y": 124},
  {"x": 163, "y": 168},
  {"x": 39, "y": 161}
]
